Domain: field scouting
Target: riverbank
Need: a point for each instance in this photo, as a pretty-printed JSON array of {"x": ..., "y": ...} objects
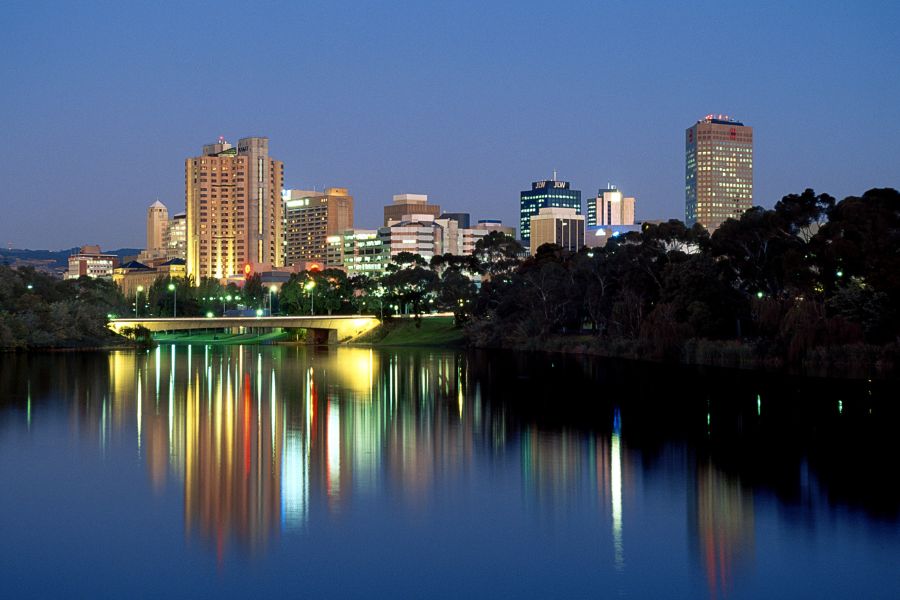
[
  {"x": 429, "y": 331},
  {"x": 849, "y": 361}
]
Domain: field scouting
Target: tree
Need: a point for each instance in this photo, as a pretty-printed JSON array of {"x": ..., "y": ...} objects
[
  {"x": 498, "y": 253},
  {"x": 254, "y": 292},
  {"x": 802, "y": 213}
]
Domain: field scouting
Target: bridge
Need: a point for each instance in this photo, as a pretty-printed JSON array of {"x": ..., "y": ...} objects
[{"x": 325, "y": 329}]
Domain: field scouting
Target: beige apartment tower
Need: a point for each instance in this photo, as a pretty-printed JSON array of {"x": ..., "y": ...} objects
[
  {"x": 718, "y": 171},
  {"x": 234, "y": 209},
  {"x": 610, "y": 207},
  {"x": 310, "y": 218}
]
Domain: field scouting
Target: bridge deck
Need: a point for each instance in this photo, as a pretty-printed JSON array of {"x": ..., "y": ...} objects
[{"x": 337, "y": 327}]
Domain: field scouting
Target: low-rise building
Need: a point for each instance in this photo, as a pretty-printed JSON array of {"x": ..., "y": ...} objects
[
  {"x": 89, "y": 261},
  {"x": 364, "y": 253},
  {"x": 489, "y": 225},
  {"x": 133, "y": 274},
  {"x": 561, "y": 226}
]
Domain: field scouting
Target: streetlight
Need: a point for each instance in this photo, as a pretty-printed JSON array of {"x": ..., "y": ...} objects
[
  {"x": 174, "y": 288},
  {"x": 309, "y": 286},
  {"x": 137, "y": 291},
  {"x": 272, "y": 290},
  {"x": 29, "y": 286}
]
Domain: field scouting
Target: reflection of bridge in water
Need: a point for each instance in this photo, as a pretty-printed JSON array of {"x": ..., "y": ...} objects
[{"x": 324, "y": 329}]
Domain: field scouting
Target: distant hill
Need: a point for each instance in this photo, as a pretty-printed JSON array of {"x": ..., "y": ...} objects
[{"x": 54, "y": 259}]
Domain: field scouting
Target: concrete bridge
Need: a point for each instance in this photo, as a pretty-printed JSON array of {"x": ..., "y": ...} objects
[{"x": 323, "y": 329}]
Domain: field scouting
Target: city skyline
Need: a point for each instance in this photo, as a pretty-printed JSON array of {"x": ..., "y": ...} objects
[{"x": 429, "y": 98}]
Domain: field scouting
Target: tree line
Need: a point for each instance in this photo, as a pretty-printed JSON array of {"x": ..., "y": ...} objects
[{"x": 811, "y": 279}]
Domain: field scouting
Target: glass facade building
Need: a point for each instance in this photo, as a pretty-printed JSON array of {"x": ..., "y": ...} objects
[{"x": 545, "y": 194}]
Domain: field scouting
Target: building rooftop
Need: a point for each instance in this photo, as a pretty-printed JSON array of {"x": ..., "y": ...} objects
[
  {"x": 720, "y": 120},
  {"x": 410, "y": 198},
  {"x": 158, "y": 204},
  {"x": 133, "y": 264}
]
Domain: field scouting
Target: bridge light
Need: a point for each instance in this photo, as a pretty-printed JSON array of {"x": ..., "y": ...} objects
[
  {"x": 209, "y": 315},
  {"x": 259, "y": 312}
]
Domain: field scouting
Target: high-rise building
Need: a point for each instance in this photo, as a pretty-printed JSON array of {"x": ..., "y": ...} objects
[
  {"x": 545, "y": 194},
  {"x": 177, "y": 236},
  {"x": 561, "y": 226},
  {"x": 310, "y": 217},
  {"x": 409, "y": 204},
  {"x": 610, "y": 208},
  {"x": 718, "y": 170},
  {"x": 234, "y": 208},
  {"x": 157, "y": 228}
]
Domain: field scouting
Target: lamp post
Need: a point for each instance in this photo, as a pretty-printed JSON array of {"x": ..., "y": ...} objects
[
  {"x": 272, "y": 290},
  {"x": 227, "y": 299},
  {"x": 137, "y": 291},
  {"x": 173, "y": 288},
  {"x": 310, "y": 286}
]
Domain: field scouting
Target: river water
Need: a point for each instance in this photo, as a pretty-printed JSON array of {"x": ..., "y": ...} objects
[{"x": 356, "y": 472}]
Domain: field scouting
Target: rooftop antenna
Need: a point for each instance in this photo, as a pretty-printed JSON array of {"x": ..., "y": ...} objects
[{"x": 554, "y": 174}]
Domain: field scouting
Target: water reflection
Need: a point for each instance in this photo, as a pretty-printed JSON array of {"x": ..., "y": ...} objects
[{"x": 265, "y": 442}]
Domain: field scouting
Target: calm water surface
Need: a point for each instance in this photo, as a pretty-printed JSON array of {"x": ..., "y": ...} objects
[{"x": 202, "y": 471}]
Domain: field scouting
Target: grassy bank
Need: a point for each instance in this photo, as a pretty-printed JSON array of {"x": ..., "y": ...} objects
[{"x": 431, "y": 331}]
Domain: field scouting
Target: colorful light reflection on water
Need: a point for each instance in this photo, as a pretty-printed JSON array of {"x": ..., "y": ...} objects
[{"x": 354, "y": 471}]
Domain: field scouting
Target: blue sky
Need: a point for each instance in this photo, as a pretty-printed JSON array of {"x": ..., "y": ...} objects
[{"x": 465, "y": 101}]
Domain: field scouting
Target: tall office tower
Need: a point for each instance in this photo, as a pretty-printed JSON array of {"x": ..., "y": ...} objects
[
  {"x": 561, "y": 226},
  {"x": 545, "y": 194},
  {"x": 177, "y": 236},
  {"x": 610, "y": 208},
  {"x": 310, "y": 218},
  {"x": 157, "y": 228},
  {"x": 718, "y": 170},
  {"x": 234, "y": 208},
  {"x": 409, "y": 204}
]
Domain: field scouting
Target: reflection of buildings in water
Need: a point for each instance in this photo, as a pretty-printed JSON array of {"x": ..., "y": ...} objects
[
  {"x": 233, "y": 449},
  {"x": 722, "y": 523},
  {"x": 559, "y": 466},
  {"x": 253, "y": 449}
]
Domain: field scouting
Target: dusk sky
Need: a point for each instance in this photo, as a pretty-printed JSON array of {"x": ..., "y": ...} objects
[{"x": 467, "y": 102}]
